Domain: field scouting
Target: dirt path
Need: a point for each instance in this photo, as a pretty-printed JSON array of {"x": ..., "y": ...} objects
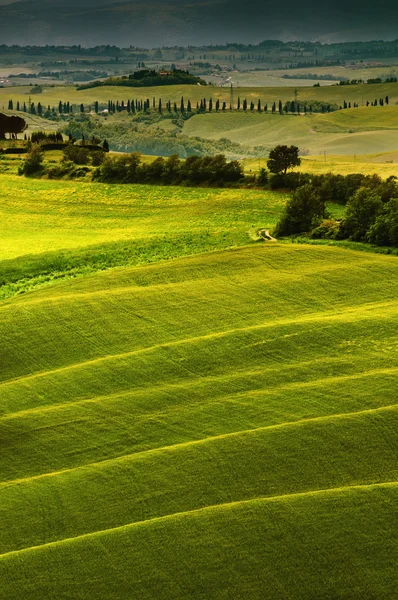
[{"x": 265, "y": 234}]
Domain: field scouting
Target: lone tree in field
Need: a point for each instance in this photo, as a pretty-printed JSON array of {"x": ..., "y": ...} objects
[
  {"x": 12, "y": 125},
  {"x": 282, "y": 158}
]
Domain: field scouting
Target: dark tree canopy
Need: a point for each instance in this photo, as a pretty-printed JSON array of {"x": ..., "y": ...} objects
[
  {"x": 11, "y": 124},
  {"x": 282, "y": 158}
]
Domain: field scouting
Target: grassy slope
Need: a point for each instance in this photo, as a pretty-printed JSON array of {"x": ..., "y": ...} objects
[
  {"x": 53, "y": 229},
  {"x": 383, "y": 164},
  {"x": 39, "y": 215},
  {"x": 151, "y": 451},
  {"x": 333, "y": 94},
  {"x": 351, "y": 131}
]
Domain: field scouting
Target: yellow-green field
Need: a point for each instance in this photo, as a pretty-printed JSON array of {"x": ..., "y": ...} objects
[
  {"x": 385, "y": 164},
  {"x": 331, "y": 94},
  {"x": 351, "y": 131},
  {"x": 221, "y": 424}
]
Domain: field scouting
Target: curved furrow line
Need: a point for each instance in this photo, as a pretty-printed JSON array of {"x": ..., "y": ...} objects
[
  {"x": 348, "y": 314},
  {"x": 299, "y": 385},
  {"x": 282, "y": 276},
  {"x": 204, "y": 441},
  {"x": 204, "y": 510}
]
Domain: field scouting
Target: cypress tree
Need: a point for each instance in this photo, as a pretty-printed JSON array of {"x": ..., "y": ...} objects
[
  {"x": 18, "y": 105},
  {"x": 189, "y": 106},
  {"x": 217, "y": 105},
  {"x": 210, "y": 105},
  {"x": 160, "y": 106},
  {"x": 182, "y": 106},
  {"x": 10, "y": 105},
  {"x": 82, "y": 108},
  {"x": 273, "y": 107},
  {"x": 245, "y": 105},
  {"x": 39, "y": 109},
  {"x": 60, "y": 107},
  {"x": 238, "y": 103},
  {"x": 280, "y": 107},
  {"x": 259, "y": 106}
]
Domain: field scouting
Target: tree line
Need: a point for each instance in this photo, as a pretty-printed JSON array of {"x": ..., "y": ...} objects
[
  {"x": 185, "y": 107},
  {"x": 371, "y": 213}
]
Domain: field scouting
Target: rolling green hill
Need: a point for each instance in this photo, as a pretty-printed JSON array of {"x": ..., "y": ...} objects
[
  {"x": 330, "y": 94},
  {"x": 204, "y": 427},
  {"x": 219, "y": 424},
  {"x": 353, "y": 131}
]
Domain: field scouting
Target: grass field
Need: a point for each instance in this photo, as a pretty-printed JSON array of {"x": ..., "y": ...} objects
[
  {"x": 206, "y": 427},
  {"x": 220, "y": 424},
  {"x": 52, "y": 229},
  {"x": 351, "y": 131},
  {"x": 384, "y": 164},
  {"x": 332, "y": 94}
]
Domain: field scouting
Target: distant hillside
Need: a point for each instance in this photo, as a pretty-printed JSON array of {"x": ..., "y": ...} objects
[
  {"x": 146, "y": 78},
  {"x": 179, "y": 23}
]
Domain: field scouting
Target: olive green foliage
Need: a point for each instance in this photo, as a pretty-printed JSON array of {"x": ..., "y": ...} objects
[
  {"x": 384, "y": 231},
  {"x": 33, "y": 163},
  {"x": 303, "y": 211},
  {"x": 209, "y": 170},
  {"x": 371, "y": 212},
  {"x": 80, "y": 155},
  {"x": 282, "y": 158},
  {"x": 362, "y": 210}
]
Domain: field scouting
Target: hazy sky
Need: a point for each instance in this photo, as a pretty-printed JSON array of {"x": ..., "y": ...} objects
[{"x": 181, "y": 22}]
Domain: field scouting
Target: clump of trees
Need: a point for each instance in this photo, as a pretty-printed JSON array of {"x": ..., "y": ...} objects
[
  {"x": 82, "y": 155},
  {"x": 371, "y": 213},
  {"x": 194, "y": 171},
  {"x": 33, "y": 163},
  {"x": 149, "y": 78}
]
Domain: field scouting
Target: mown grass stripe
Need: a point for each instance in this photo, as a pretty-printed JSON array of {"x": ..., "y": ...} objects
[
  {"x": 347, "y": 314},
  {"x": 204, "y": 510},
  {"x": 322, "y": 382},
  {"x": 204, "y": 441}
]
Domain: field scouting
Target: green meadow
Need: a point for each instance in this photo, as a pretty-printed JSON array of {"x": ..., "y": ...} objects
[
  {"x": 331, "y": 94},
  {"x": 187, "y": 412},
  {"x": 352, "y": 131}
]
